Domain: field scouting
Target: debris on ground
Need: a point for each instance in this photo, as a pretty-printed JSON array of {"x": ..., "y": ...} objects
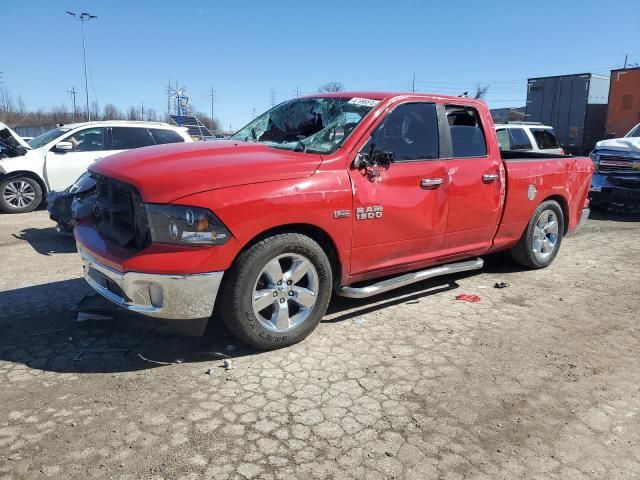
[
  {"x": 500, "y": 285},
  {"x": 482, "y": 286},
  {"x": 465, "y": 297},
  {"x": 99, "y": 350},
  {"x": 227, "y": 364},
  {"x": 154, "y": 361},
  {"x": 48, "y": 332},
  {"x": 88, "y": 316},
  {"x": 413, "y": 302},
  {"x": 209, "y": 371},
  {"x": 360, "y": 321}
]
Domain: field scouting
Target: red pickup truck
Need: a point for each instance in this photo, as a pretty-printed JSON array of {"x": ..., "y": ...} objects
[{"x": 348, "y": 193}]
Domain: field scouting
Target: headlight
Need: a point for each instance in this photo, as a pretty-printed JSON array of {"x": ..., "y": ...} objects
[
  {"x": 594, "y": 157},
  {"x": 185, "y": 225},
  {"x": 84, "y": 183}
]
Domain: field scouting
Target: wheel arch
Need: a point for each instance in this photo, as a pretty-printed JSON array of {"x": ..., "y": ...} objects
[
  {"x": 564, "y": 205},
  {"x": 31, "y": 175},
  {"x": 26, "y": 173},
  {"x": 312, "y": 231}
]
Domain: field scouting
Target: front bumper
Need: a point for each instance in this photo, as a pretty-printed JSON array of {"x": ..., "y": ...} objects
[
  {"x": 603, "y": 191},
  {"x": 170, "y": 297}
]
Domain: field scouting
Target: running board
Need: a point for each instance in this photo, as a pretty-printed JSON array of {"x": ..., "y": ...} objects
[{"x": 408, "y": 279}]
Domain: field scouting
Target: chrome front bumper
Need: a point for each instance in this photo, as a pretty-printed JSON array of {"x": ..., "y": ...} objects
[{"x": 171, "y": 297}]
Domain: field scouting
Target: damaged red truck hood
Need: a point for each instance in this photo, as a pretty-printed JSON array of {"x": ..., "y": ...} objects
[{"x": 165, "y": 173}]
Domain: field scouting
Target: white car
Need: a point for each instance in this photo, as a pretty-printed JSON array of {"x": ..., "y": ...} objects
[
  {"x": 528, "y": 137},
  {"x": 54, "y": 160}
]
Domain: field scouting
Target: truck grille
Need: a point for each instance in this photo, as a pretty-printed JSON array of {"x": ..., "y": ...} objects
[
  {"x": 119, "y": 215},
  {"x": 610, "y": 163}
]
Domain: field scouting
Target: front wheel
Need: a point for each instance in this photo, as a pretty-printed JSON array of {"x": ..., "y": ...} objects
[
  {"x": 541, "y": 240},
  {"x": 20, "y": 195},
  {"x": 277, "y": 291}
]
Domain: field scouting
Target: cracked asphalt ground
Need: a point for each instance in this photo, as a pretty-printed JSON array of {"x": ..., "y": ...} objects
[{"x": 538, "y": 380}]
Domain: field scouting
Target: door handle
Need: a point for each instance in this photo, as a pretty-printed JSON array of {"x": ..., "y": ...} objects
[
  {"x": 431, "y": 183},
  {"x": 490, "y": 177}
]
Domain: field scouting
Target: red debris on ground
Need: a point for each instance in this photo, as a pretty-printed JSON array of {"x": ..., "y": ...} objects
[{"x": 468, "y": 298}]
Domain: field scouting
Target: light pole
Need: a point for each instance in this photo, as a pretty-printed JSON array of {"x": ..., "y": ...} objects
[{"x": 84, "y": 17}]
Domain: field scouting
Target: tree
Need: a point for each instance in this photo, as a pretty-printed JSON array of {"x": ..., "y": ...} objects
[
  {"x": 481, "y": 91},
  {"x": 331, "y": 87},
  {"x": 111, "y": 112}
]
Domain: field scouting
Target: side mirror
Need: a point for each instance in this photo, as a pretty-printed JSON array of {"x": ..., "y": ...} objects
[
  {"x": 361, "y": 160},
  {"x": 63, "y": 147}
]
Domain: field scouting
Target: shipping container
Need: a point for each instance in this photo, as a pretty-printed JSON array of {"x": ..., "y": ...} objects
[
  {"x": 624, "y": 102},
  {"x": 574, "y": 105}
]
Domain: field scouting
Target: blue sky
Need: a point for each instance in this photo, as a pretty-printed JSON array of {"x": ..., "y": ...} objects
[{"x": 244, "y": 49}]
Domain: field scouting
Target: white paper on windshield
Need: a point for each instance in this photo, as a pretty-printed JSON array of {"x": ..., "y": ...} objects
[{"x": 367, "y": 102}]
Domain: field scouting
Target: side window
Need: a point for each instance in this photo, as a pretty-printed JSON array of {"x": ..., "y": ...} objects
[
  {"x": 545, "y": 138},
  {"x": 503, "y": 139},
  {"x": 162, "y": 136},
  {"x": 410, "y": 132},
  {"x": 519, "y": 139},
  {"x": 88, "y": 140},
  {"x": 467, "y": 137},
  {"x": 126, "y": 138}
]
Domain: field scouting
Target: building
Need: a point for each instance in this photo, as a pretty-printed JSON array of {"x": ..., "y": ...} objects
[{"x": 509, "y": 114}]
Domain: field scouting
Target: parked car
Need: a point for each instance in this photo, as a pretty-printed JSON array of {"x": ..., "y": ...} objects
[
  {"x": 528, "y": 137},
  {"x": 350, "y": 193},
  {"x": 617, "y": 176},
  {"x": 52, "y": 161}
]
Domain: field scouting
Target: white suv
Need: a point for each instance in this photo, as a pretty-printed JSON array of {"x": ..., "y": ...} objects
[
  {"x": 528, "y": 137},
  {"x": 54, "y": 160}
]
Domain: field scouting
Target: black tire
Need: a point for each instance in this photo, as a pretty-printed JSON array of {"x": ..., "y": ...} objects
[
  {"x": 235, "y": 305},
  {"x": 31, "y": 195},
  {"x": 524, "y": 252}
]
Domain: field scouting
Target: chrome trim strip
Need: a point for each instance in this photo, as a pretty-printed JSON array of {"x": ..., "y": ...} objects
[
  {"x": 409, "y": 278},
  {"x": 175, "y": 297}
]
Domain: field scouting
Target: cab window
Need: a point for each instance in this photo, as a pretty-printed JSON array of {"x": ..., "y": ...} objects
[
  {"x": 410, "y": 132},
  {"x": 503, "y": 139},
  {"x": 467, "y": 136},
  {"x": 519, "y": 139},
  {"x": 88, "y": 140}
]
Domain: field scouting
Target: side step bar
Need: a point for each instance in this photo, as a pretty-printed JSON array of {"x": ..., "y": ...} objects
[{"x": 409, "y": 278}]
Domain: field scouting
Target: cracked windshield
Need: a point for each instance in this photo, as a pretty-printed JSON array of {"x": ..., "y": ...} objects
[{"x": 313, "y": 125}]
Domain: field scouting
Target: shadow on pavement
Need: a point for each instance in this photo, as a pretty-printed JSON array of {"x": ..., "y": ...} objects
[
  {"x": 47, "y": 241},
  {"x": 40, "y": 330}
]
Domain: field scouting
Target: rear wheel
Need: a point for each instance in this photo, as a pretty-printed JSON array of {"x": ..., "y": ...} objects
[
  {"x": 541, "y": 240},
  {"x": 20, "y": 195},
  {"x": 277, "y": 291}
]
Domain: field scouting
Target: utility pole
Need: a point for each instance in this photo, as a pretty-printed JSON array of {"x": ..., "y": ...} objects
[
  {"x": 626, "y": 58},
  {"x": 273, "y": 97},
  {"x": 297, "y": 91},
  {"x": 413, "y": 83},
  {"x": 84, "y": 17},
  {"x": 168, "y": 99},
  {"x": 142, "y": 110},
  {"x": 73, "y": 92},
  {"x": 212, "y": 96}
]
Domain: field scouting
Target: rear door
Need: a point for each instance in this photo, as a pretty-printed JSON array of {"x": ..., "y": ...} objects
[
  {"x": 476, "y": 182},
  {"x": 126, "y": 138},
  {"x": 400, "y": 208}
]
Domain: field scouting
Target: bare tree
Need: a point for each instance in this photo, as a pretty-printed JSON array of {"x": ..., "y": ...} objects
[
  {"x": 6, "y": 100},
  {"x": 133, "y": 113},
  {"x": 331, "y": 87},
  {"x": 481, "y": 91},
  {"x": 111, "y": 112}
]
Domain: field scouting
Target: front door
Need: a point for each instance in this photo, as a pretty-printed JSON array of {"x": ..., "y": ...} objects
[
  {"x": 63, "y": 168},
  {"x": 477, "y": 184},
  {"x": 400, "y": 206}
]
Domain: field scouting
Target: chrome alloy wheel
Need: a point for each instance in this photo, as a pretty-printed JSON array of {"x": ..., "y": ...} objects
[
  {"x": 19, "y": 194},
  {"x": 545, "y": 235},
  {"x": 285, "y": 292}
]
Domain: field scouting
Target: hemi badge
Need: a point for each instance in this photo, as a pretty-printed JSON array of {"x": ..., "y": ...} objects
[{"x": 341, "y": 213}]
